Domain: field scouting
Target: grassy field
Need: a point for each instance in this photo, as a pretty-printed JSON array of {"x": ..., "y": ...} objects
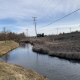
[{"x": 6, "y": 47}]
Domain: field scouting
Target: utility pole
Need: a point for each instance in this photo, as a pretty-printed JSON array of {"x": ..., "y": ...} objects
[
  {"x": 27, "y": 32},
  {"x": 70, "y": 30},
  {"x": 4, "y": 32},
  {"x": 57, "y": 31},
  {"x": 35, "y": 26},
  {"x": 79, "y": 25}
]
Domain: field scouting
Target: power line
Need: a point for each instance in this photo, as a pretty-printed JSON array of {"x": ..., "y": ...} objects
[
  {"x": 52, "y": 9},
  {"x": 41, "y": 6},
  {"x": 48, "y": 5},
  {"x": 45, "y": 5},
  {"x": 61, "y": 18},
  {"x": 58, "y": 28}
]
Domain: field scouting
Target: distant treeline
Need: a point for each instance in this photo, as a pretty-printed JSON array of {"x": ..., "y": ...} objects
[{"x": 8, "y": 35}]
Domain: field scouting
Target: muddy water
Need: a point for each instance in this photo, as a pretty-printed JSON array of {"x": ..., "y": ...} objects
[{"x": 51, "y": 67}]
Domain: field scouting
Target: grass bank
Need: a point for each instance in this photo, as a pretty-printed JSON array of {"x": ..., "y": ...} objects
[
  {"x": 64, "y": 49},
  {"x": 64, "y": 45},
  {"x": 12, "y": 71},
  {"x": 6, "y": 47},
  {"x": 15, "y": 72}
]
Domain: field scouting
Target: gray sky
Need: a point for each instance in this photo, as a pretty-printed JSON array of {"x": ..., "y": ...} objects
[{"x": 16, "y": 15}]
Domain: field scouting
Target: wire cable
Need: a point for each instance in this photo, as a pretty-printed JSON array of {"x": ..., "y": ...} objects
[
  {"x": 47, "y": 6},
  {"x": 41, "y": 7},
  {"x": 61, "y": 18},
  {"x": 52, "y": 9}
]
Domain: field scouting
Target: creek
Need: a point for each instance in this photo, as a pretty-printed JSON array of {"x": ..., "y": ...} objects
[{"x": 52, "y": 67}]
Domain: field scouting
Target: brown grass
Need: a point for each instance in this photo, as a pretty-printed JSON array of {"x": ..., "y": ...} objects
[
  {"x": 15, "y": 72},
  {"x": 6, "y": 47},
  {"x": 66, "y": 48}
]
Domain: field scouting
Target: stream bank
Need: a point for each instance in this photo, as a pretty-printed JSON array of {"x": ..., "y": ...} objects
[
  {"x": 67, "y": 49},
  {"x": 15, "y": 72},
  {"x": 12, "y": 71},
  {"x": 6, "y": 47},
  {"x": 65, "y": 46},
  {"x": 53, "y": 68}
]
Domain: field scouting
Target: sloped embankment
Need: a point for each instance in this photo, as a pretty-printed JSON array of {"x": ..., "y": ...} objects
[
  {"x": 15, "y": 72},
  {"x": 65, "y": 49},
  {"x": 6, "y": 47}
]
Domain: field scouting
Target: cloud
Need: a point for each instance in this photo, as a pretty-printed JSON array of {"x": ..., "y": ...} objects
[
  {"x": 21, "y": 9},
  {"x": 20, "y": 13},
  {"x": 31, "y": 30},
  {"x": 61, "y": 28}
]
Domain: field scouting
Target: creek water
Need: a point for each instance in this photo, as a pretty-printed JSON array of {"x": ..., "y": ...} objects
[{"x": 51, "y": 67}]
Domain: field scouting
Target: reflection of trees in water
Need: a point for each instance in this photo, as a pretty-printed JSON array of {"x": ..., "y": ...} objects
[
  {"x": 74, "y": 61},
  {"x": 70, "y": 60},
  {"x": 23, "y": 45},
  {"x": 27, "y": 46},
  {"x": 6, "y": 57}
]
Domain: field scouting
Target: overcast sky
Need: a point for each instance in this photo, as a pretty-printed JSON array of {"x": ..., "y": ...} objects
[{"x": 16, "y": 15}]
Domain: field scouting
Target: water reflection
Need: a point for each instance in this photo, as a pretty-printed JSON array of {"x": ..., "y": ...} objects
[
  {"x": 74, "y": 61},
  {"x": 52, "y": 67},
  {"x": 6, "y": 57},
  {"x": 23, "y": 45},
  {"x": 70, "y": 60}
]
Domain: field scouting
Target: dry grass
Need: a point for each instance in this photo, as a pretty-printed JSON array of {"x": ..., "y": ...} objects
[
  {"x": 15, "y": 72},
  {"x": 67, "y": 48},
  {"x": 6, "y": 47},
  {"x": 65, "y": 45}
]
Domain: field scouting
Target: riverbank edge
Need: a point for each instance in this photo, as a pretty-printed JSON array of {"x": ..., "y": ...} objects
[
  {"x": 15, "y": 72},
  {"x": 10, "y": 49},
  {"x": 64, "y": 55},
  {"x": 17, "y": 66}
]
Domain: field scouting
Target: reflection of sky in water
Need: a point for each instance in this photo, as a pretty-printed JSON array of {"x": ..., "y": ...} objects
[{"x": 52, "y": 67}]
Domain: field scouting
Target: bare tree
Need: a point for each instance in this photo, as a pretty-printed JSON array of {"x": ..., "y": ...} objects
[{"x": 4, "y": 34}]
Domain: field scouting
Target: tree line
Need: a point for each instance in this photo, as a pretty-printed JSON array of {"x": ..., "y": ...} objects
[{"x": 9, "y": 35}]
